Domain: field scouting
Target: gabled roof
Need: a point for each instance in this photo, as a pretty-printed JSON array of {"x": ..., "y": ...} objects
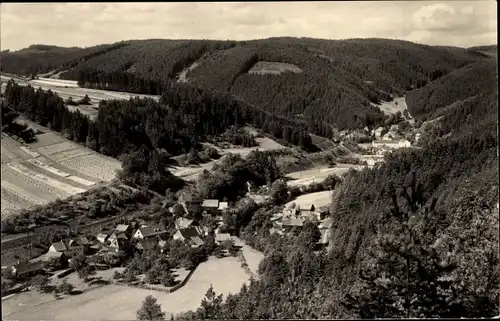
[
  {"x": 122, "y": 227},
  {"x": 190, "y": 232},
  {"x": 197, "y": 241},
  {"x": 119, "y": 235},
  {"x": 102, "y": 235},
  {"x": 222, "y": 237},
  {"x": 26, "y": 267},
  {"x": 147, "y": 231},
  {"x": 223, "y": 205},
  {"x": 212, "y": 203},
  {"x": 59, "y": 246},
  {"x": 147, "y": 244},
  {"x": 80, "y": 241}
]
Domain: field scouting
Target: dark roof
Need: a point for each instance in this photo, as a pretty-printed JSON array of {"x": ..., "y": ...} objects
[
  {"x": 152, "y": 230},
  {"x": 197, "y": 241},
  {"x": 26, "y": 267},
  {"x": 147, "y": 244},
  {"x": 190, "y": 232}
]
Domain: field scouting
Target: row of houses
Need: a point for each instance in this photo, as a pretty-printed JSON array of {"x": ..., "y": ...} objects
[
  {"x": 294, "y": 217},
  {"x": 144, "y": 237}
]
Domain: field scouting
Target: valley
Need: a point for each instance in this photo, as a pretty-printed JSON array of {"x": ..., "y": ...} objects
[{"x": 262, "y": 171}]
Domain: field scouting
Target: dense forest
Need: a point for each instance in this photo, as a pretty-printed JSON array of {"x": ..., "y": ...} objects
[
  {"x": 339, "y": 80},
  {"x": 465, "y": 83},
  {"x": 184, "y": 117}
]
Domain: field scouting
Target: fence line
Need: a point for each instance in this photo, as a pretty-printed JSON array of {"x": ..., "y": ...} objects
[{"x": 151, "y": 287}]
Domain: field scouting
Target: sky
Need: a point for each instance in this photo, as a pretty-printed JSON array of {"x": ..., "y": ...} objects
[{"x": 455, "y": 23}]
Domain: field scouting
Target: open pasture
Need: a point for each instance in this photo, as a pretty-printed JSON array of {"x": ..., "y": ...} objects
[{"x": 114, "y": 302}]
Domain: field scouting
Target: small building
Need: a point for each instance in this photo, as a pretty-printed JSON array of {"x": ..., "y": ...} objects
[
  {"x": 71, "y": 247},
  {"x": 102, "y": 237},
  {"x": 47, "y": 257},
  {"x": 392, "y": 144},
  {"x": 118, "y": 244},
  {"x": 195, "y": 242},
  {"x": 117, "y": 235},
  {"x": 187, "y": 233},
  {"x": 292, "y": 222},
  {"x": 149, "y": 231},
  {"x": 182, "y": 223},
  {"x": 222, "y": 237},
  {"x": 210, "y": 206},
  {"x": 147, "y": 244},
  {"x": 223, "y": 206},
  {"x": 378, "y": 132},
  {"x": 25, "y": 269}
]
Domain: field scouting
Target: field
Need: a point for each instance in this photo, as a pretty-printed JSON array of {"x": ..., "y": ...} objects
[
  {"x": 114, "y": 302},
  {"x": 316, "y": 199},
  {"x": 392, "y": 107},
  {"x": 48, "y": 169},
  {"x": 274, "y": 68},
  {"x": 317, "y": 175}
]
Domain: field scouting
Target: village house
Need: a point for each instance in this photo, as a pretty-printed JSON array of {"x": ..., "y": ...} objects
[
  {"x": 378, "y": 132},
  {"x": 289, "y": 224},
  {"x": 61, "y": 258},
  {"x": 223, "y": 206},
  {"x": 147, "y": 244},
  {"x": 149, "y": 231},
  {"x": 117, "y": 235},
  {"x": 71, "y": 247},
  {"x": 210, "y": 206},
  {"x": 25, "y": 269},
  {"x": 222, "y": 237},
  {"x": 392, "y": 144},
  {"x": 102, "y": 237},
  {"x": 190, "y": 236},
  {"x": 196, "y": 242},
  {"x": 118, "y": 244}
]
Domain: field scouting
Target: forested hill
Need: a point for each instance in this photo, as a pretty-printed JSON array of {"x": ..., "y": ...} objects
[{"x": 293, "y": 77}]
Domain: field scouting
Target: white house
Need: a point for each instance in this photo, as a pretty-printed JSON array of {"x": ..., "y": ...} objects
[{"x": 393, "y": 144}]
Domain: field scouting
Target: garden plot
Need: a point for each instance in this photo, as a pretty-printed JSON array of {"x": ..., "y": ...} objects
[
  {"x": 113, "y": 302},
  {"x": 317, "y": 175}
]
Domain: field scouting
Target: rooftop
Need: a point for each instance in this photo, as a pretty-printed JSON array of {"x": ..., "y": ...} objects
[{"x": 212, "y": 203}]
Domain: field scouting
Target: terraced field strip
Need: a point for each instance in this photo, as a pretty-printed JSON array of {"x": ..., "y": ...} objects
[
  {"x": 94, "y": 166},
  {"x": 48, "y": 170},
  {"x": 13, "y": 198},
  {"x": 36, "y": 191},
  {"x": 22, "y": 193},
  {"x": 29, "y": 151},
  {"x": 63, "y": 190}
]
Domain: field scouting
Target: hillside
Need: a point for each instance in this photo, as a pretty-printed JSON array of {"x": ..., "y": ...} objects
[
  {"x": 474, "y": 79},
  {"x": 338, "y": 79}
]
